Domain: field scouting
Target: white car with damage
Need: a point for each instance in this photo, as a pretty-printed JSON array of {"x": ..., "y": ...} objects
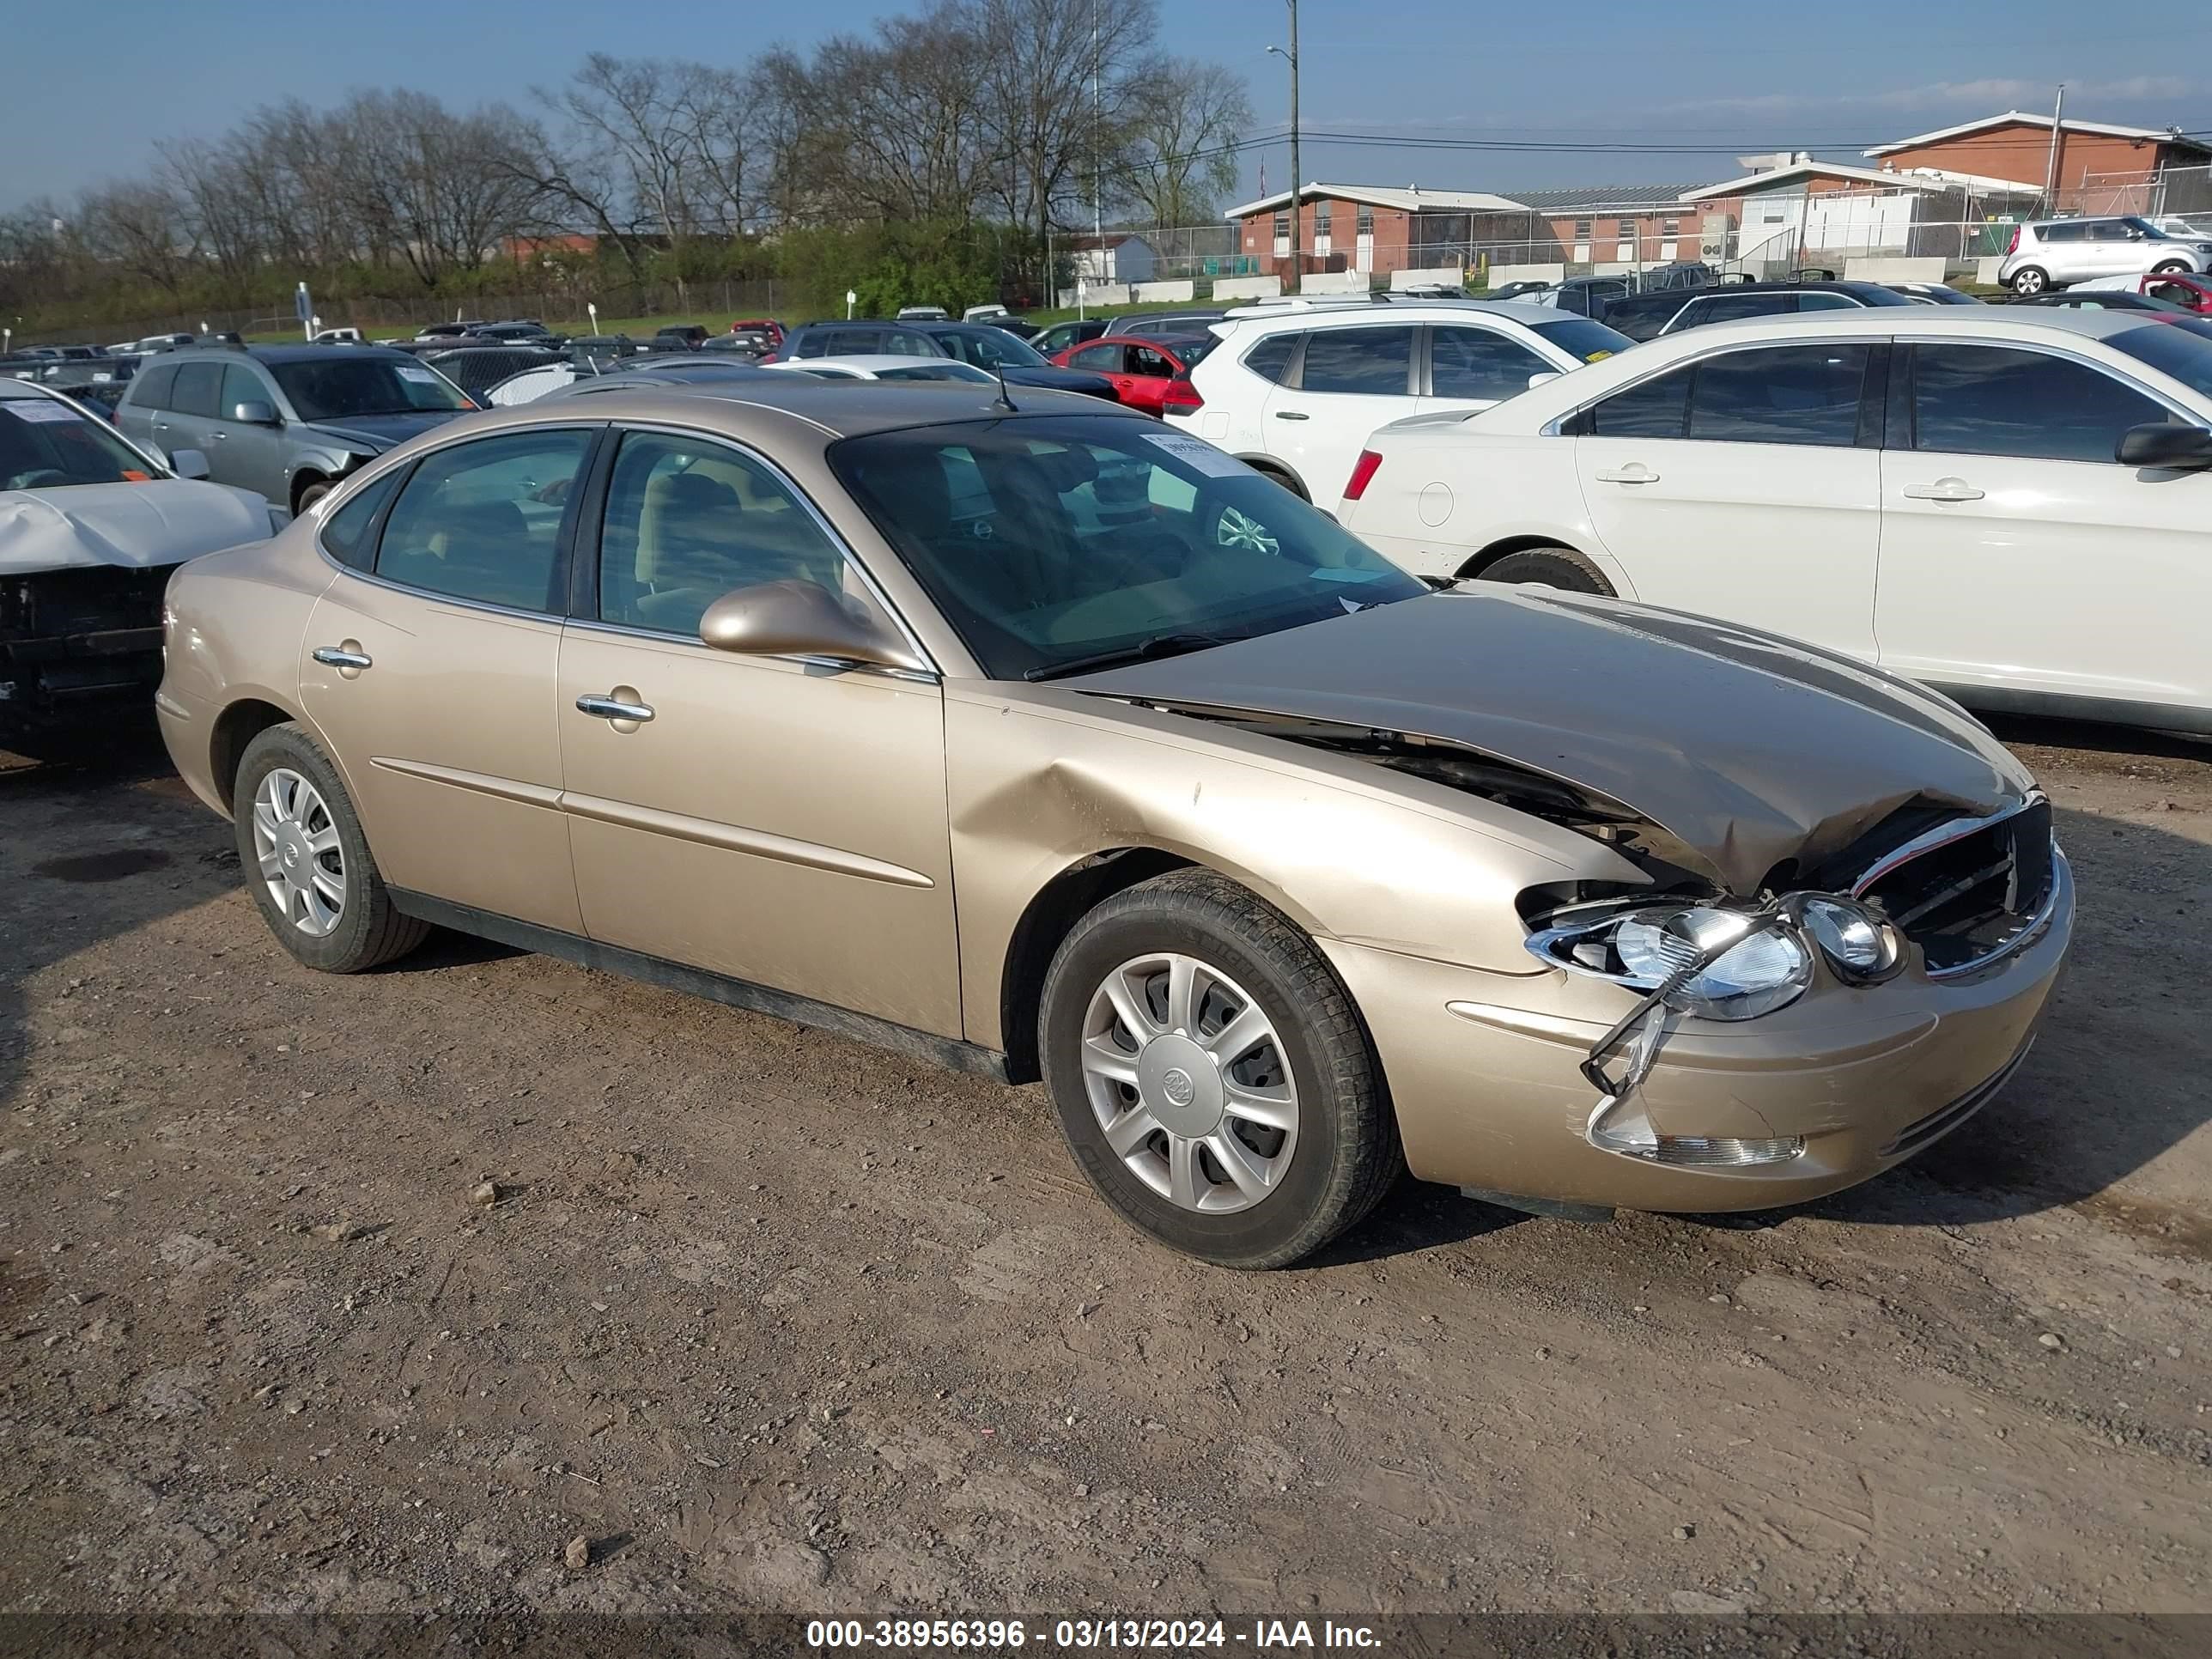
[{"x": 91, "y": 527}]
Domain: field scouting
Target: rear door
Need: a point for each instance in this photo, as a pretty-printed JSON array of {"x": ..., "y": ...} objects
[
  {"x": 1746, "y": 485},
  {"x": 189, "y": 424},
  {"x": 2017, "y": 553},
  {"x": 1352, "y": 380}
]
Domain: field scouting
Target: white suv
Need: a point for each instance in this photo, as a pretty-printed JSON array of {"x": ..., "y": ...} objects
[
  {"x": 1296, "y": 387},
  {"x": 2047, "y": 253}
]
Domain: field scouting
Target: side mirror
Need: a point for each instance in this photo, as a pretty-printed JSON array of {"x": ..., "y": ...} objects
[
  {"x": 800, "y": 619},
  {"x": 2166, "y": 445},
  {"x": 254, "y": 412},
  {"x": 188, "y": 463},
  {"x": 1536, "y": 380}
]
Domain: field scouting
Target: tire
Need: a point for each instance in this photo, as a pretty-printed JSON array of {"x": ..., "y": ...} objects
[
  {"x": 1553, "y": 566},
  {"x": 314, "y": 493},
  {"x": 366, "y": 930},
  {"x": 2028, "y": 279},
  {"x": 1275, "y": 475},
  {"x": 1331, "y": 1153},
  {"x": 2170, "y": 267}
]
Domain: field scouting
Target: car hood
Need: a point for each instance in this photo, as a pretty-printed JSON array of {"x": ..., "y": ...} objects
[
  {"x": 134, "y": 525},
  {"x": 1749, "y": 749},
  {"x": 378, "y": 432}
]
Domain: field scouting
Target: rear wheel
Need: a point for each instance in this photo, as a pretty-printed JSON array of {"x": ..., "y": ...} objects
[
  {"x": 2029, "y": 280},
  {"x": 1211, "y": 1076},
  {"x": 306, "y": 862},
  {"x": 1550, "y": 567},
  {"x": 1276, "y": 474},
  {"x": 312, "y": 494}
]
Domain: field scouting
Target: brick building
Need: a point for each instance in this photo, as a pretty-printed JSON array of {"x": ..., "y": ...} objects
[
  {"x": 1368, "y": 227},
  {"x": 2091, "y": 155}
]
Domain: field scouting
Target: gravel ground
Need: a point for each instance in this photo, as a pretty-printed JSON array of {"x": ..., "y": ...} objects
[{"x": 766, "y": 1319}]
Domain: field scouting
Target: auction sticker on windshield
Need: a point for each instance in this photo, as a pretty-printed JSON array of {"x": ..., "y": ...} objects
[
  {"x": 26, "y": 410},
  {"x": 420, "y": 376},
  {"x": 1200, "y": 454}
]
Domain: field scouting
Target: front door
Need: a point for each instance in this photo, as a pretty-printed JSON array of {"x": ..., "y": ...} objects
[
  {"x": 1353, "y": 379},
  {"x": 433, "y": 676},
  {"x": 776, "y": 820},
  {"x": 1473, "y": 367},
  {"x": 1741, "y": 486},
  {"x": 2017, "y": 552},
  {"x": 250, "y": 454}
]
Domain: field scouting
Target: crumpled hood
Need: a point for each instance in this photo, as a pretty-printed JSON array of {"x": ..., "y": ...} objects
[
  {"x": 136, "y": 526},
  {"x": 1747, "y": 748},
  {"x": 378, "y": 432}
]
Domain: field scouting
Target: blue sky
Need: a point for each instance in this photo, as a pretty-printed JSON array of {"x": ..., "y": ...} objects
[{"x": 94, "y": 89}]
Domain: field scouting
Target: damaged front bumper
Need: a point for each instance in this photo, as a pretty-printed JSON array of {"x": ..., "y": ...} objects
[
  {"x": 1485, "y": 1072},
  {"x": 76, "y": 644}
]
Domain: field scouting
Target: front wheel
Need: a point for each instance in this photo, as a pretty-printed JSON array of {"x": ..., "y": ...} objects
[
  {"x": 307, "y": 862},
  {"x": 2169, "y": 267},
  {"x": 1212, "y": 1078}
]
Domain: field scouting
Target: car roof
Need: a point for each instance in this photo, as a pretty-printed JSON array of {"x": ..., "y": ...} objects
[
  {"x": 1299, "y": 316},
  {"x": 347, "y": 350},
  {"x": 772, "y": 402},
  {"x": 877, "y": 359}
]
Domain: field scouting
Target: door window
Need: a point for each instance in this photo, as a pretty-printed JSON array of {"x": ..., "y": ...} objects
[
  {"x": 1371, "y": 360},
  {"x": 1100, "y": 359},
  {"x": 482, "y": 521},
  {"x": 151, "y": 389},
  {"x": 1271, "y": 359},
  {"x": 1656, "y": 409},
  {"x": 1143, "y": 359},
  {"x": 688, "y": 519},
  {"x": 2073, "y": 232},
  {"x": 198, "y": 388},
  {"x": 1992, "y": 400},
  {"x": 1479, "y": 362},
  {"x": 240, "y": 386},
  {"x": 345, "y": 532},
  {"x": 1780, "y": 395},
  {"x": 1821, "y": 299}
]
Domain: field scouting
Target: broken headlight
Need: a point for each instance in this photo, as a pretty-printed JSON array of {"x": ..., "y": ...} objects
[
  {"x": 1858, "y": 944},
  {"x": 1722, "y": 963}
]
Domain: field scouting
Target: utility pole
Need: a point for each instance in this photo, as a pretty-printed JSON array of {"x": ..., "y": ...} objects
[
  {"x": 1097, "y": 120},
  {"x": 2050, "y": 168},
  {"x": 1297, "y": 229}
]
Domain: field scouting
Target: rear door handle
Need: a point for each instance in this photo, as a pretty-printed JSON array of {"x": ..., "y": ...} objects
[
  {"x": 1943, "y": 490},
  {"x": 614, "y": 708},
  {"x": 1290, "y": 414},
  {"x": 1634, "y": 473},
  {"x": 342, "y": 656}
]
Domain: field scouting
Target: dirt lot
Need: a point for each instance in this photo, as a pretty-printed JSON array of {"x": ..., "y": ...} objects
[{"x": 775, "y": 1320}]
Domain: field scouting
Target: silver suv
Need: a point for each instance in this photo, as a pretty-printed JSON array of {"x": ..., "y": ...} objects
[
  {"x": 285, "y": 421},
  {"x": 2048, "y": 253}
]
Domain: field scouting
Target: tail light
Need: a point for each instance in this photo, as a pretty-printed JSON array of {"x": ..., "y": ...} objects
[
  {"x": 2013, "y": 247},
  {"x": 1181, "y": 397},
  {"x": 1362, "y": 471}
]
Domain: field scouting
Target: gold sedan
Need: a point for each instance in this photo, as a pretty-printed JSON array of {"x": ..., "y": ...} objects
[{"x": 1056, "y": 746}]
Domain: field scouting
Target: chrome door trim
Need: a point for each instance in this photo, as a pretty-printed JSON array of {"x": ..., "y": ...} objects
[
  {"x": 482, "y": 783},
  {"x": 707, "y": 833},
  {"x": 692, "y": 642}
]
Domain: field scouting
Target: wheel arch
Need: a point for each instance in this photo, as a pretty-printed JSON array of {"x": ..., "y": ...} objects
[
  {"x": 242, "y": 719},
  {"x": 1275, "y": 469},
  {"x": 1475, "y": 563}
]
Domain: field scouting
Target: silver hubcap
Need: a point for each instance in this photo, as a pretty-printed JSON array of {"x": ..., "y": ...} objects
[
  {"x": 1190, "y": 1083},
  {"x": 1235, "y": 530},
  {"x": 297, "y": 847}
]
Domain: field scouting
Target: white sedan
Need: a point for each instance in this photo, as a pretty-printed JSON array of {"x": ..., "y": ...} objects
[{"x": 2008, "y": 504}]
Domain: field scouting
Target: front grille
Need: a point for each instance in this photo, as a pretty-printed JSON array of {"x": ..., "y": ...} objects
[{"x": 1966, "y": 892}]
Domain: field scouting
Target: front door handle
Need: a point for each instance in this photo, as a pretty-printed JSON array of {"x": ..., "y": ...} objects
[
  {"x": 618, "y": 705},
  {"x": 1634, "y": 473},
  {"x": 1290, "y": 414},
  {"x": 1944, "y": 489},
  {"x": 348, "y": 658}
]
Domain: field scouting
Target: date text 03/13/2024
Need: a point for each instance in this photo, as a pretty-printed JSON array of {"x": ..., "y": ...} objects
[{"x": 1086, "y": 1634}]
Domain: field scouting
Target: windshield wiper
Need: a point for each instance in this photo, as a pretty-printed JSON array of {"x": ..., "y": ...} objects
[{"x": 1159, "y": 645}]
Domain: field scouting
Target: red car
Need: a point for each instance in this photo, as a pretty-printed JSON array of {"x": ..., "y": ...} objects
[
  {"x": 766, "y": 325},
  {"x": 2180, "y": 286},
  {"x": 1141, "y": 369}
]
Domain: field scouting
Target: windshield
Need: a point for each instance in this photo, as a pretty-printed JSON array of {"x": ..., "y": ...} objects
[
  {"x": 47, "y": 444},
  {"x": 990, "y": 347},
  {"x": 1046, "y": 542},
  {"x": 2147, "y": 229},
  {"x": 336, "y": 387},
  {"x": 2182, "y": 348},
  {"x": 1583, "y": 339},
  {"x": 925, "y": 370}
]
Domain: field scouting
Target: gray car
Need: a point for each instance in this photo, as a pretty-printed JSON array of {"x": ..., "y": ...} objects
[{"x": 285, "y": 421}]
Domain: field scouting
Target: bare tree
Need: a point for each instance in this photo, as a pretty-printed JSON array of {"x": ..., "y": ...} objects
[
  {"x": 140, "y": 229},
  {"x": 1185, "y": 118}
]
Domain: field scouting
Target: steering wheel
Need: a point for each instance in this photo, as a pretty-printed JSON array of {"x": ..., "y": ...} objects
[{"x": 39, "y": 477}]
